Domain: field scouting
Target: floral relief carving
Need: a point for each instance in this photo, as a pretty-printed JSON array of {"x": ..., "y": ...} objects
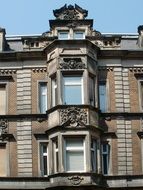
[
  {"x": 3, "y": 127},
  {"x": 73, "y": 117},
  {"x": 72, "y": 64},
  {"x": 76, "y": 180}
]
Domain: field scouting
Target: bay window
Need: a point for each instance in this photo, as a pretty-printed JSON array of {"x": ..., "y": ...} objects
[
  {"x": 73, "y": 90},
  {"x": 74, "y": 155}
]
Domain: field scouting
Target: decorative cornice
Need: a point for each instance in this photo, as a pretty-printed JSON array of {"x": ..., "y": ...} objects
[
  {"x": 39, "y": 70},
  {"x": 73, "y": 117},
  {"x": 7, "y": 71}
]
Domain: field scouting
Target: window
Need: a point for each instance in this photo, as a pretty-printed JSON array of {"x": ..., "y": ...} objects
[
  {"x": 2, "y": 99},
  {"x": 44, "y": 159},
  {"x": 93, "y": 155},
  {"x": 141, "y": 94},
  {"x": 74, "y": 154},
  {"x": 73, "y": 90},
  {"x": 79, "y": 35},
  {"x": 91, "y": 91},
  {"x": 63, "y": 35},
  {"x": 105, "y": 158},
  {"x": 43, "y": 97},
  {"x": 54, "y": 92},
  {"x": 3, "y": 160},
  {"x": 102, "y": 96},
  {"x": 55, "y": 155}
]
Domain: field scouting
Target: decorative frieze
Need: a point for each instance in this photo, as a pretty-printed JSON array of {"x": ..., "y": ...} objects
[
  {"x": 39, "y": 70},
  {"x": 7, "y": 72},
  {"x": 73, "y": 117}
]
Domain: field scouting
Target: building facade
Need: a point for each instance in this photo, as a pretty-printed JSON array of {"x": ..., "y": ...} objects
[{"x": 71, "y": 103}]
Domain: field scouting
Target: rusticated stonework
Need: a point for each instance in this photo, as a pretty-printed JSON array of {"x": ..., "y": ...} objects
[
  {"x": 72, "y": 64},
  {"x": 73, "y": 117},
  {"x": 3, "y": 127}
]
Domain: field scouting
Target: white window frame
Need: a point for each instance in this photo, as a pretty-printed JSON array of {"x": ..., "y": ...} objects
[
  {"x": 74, "y": 149},
  {"x": 78, "y": 31},
  {"x": 62, "y": 31},
  {"x": 39, "y": 93},
  {"x": 73, "y": 84},
  {"x": 42, "y": 154},
  {"x": 54, "y": 91},
  {"x": 55, "y": 155}
]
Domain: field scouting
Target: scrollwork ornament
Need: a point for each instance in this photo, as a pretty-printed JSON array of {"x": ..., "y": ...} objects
[{"x": 73, "y": 117}]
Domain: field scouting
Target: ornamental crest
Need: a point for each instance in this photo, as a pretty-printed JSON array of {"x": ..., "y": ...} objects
[
  {"x": 76, "y": 180},
  {"x": 3, "y": 127},
  {"x": 70, "y": 12},
  {"x": 73, "y": 117},
  {"x": 72, "y": 64}
]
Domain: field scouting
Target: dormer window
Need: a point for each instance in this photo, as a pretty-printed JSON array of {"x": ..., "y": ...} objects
[
  {"x": 63, "y": 35},
  {"x": 79, "y": 35}
]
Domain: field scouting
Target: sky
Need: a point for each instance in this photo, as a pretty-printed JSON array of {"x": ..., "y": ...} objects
[{"x": 23, "y": 17}]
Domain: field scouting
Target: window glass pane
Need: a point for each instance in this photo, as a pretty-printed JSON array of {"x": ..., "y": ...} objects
[
  {"x": 74, "y": 142},
  {"x": 54, "y": 92},
  {"x": 72, "y": 90},
  {"x": 63, "y": 35},
  {"x": 2, "y": 99},
  {"x": 43, "y": 97},
  {"x": 102, "y": 97},
  {"x": 44, "y": 159},
  {"x": 79, "y": 35},
  {"x": 45, "y": 164},
  {"x": 75, "y": 161}
]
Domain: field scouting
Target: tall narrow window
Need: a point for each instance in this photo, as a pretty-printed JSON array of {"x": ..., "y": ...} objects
[
  {"x": 105, "y": 158},
  {"x": 102, "y": 96},
  {"x": 2, "y": 99},
  {"x": 141, "y": 94},
  {"x": 55, "y": 155},
  {"x": 43, "y": 97},
  {"x": 54, "y": 92},
  {"x": 3, "y": 160},
  {"x": 74, "y": 154},
  {"x": 63, "y": 35},
  {"x": 93, "y": 155},
  {"x": 79, "y": 35},
  {"x": 73, "y": 93},
  {"x": 44, "y": 159},
  {"x": 92, "y": 91}
]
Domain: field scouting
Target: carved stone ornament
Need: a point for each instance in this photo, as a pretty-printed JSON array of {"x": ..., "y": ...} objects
[
  {"x": 72, "y": 64},
  {"x": 70, "y": 12},
  {"x": 3, "y": 127},
  {"x": 73, "y": 117},
  {"x": 75, "y": 180}
]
